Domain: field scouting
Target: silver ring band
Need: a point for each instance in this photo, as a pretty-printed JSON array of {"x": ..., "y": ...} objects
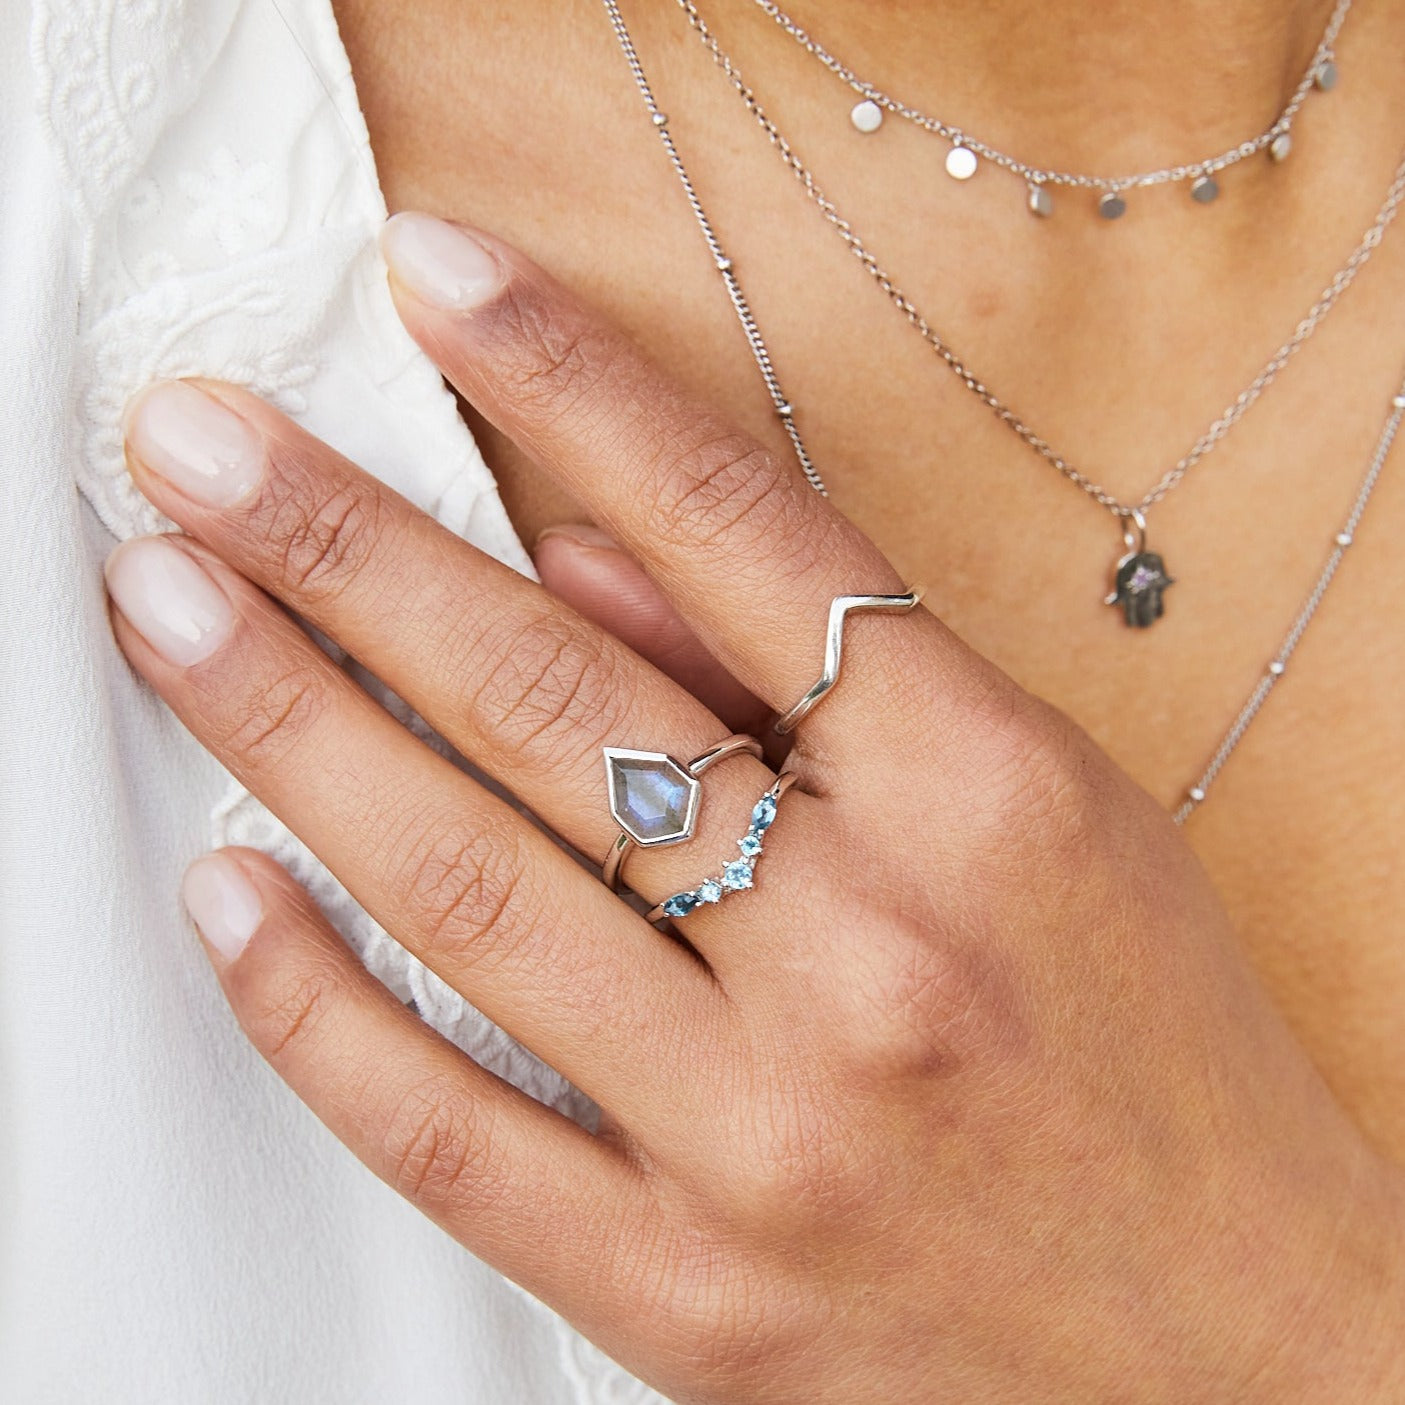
[
  {"x": 839, "y": 610},
  {"x": 654, "y": 799},
  {"x": 737, "y": 875}
]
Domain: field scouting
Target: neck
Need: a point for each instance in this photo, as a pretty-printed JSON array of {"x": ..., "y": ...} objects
[{"x": 1148, "y": 82}]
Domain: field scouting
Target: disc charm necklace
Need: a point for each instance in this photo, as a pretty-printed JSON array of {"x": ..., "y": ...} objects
[{"x": 966, "y": 152}]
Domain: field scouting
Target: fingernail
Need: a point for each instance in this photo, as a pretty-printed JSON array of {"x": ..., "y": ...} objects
[
  {"x": 195, "y": 443},
  {"x": 580, "y": 534},
  {"x": 222, "y": 903},
  {"x": 169, "y": 600},
  {"x": 439, "y": 263}
]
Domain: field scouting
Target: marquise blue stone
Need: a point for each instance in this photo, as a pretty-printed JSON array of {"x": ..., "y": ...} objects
[
  {"x": 681, "y": 904},
  {"x": 764, "y": 815}
]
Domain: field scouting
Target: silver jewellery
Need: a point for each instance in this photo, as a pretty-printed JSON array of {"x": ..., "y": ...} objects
[
  {"x": 761, "y": 354},
  {"x": 1197, "y": 793},
  {"x": 1195, "y": 796},
  {"x": 841, "y": 607},
  {"x": 1141, "y": 578},
  {"x": 738, "y": 874},
  {"x": 1140, "y": 614},
  {"x": 654, "y": 799},
  {"x": 966, "y": 152}
]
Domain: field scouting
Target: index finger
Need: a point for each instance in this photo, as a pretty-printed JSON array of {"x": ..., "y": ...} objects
[{"x": 750, "y": 554}]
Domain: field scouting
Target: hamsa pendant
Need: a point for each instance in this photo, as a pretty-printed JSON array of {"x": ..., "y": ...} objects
[{"x": 1141, "y": 581}]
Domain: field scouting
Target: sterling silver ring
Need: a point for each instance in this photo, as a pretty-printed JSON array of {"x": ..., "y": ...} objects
[
  {"x": 654, "y": 799},
  {"x": 739, "y": 874},
  {"x": 841, "y": 607}
]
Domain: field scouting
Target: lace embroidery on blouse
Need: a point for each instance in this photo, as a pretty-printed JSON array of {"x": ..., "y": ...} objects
[{"x": 225, "y": 196}]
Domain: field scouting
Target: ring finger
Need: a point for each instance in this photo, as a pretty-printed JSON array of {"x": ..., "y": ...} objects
[{"x": 485, "y": 899}]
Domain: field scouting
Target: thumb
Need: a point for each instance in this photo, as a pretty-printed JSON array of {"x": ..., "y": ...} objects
[{"x": 587, "y": 569}]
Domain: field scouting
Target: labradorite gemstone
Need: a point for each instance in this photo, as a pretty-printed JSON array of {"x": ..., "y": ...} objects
[{"x": 652, "y": 797}]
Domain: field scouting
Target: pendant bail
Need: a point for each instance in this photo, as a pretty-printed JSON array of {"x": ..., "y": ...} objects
[{"x": 1134, "y": 530}]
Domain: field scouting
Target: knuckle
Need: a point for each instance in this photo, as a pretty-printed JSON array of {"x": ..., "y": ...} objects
[
  {"x": 811, "y": 1161},
  {"x": 798, "y": 1151},
  {"x": 551, "y": 689},
  {"x": 286, "y": 1018},
  {"x": 271, "y": 718},
  {"x": 465, "y": 894},
  {"x": 1059, "y": 793},
  {"x": 322, "y": 534},
  {"x": 807, "y": 1165},
  {"x": 723, "y": 487},
  {"x": 547, "y": 359},
  {"x": 438, "y": 1148},
  {"x": 734, "y": 1324},
  {"x": 1043, "y": 779},
  {"x": 924, "y": 1008}
]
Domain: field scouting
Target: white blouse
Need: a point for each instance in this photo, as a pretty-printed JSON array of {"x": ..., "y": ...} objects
[{"x": 186, "y": 186}]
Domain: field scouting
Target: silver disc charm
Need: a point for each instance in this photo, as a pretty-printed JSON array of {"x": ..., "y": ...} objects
[
  {"x": 1112, "y": 206},
  {"x": 1280, "y": 146},
  {"x": 1326, "y": 76},
  {"x": 1041, "y": 203},
  {"x": 867, "y": 116},
  {"x": 961, "y": 163},
  {"x": 1204, "y": 189}
]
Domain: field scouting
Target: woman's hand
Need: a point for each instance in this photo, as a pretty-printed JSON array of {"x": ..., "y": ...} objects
[{"x": 971, "y": 1098}]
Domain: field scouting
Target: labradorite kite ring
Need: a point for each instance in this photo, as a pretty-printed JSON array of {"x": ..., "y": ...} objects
[{"x": 654, "y": 799}]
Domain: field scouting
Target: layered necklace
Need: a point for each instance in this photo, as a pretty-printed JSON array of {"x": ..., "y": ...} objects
[{"x": 1140, "y": 577}]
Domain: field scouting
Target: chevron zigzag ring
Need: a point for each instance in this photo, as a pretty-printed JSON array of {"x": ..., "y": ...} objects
[{"x": 841, "y": 607}]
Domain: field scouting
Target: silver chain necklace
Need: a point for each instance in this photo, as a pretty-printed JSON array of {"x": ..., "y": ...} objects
[
  {"x": 1195, "y": 794},
  {"x": 1140, "y": 577},
  {"x": 966, "y": 152}
]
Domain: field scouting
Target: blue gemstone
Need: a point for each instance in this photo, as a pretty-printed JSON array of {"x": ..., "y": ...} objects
[
  {"x": 750, "y": 846},
  {"x": 681, "y": 904},
  {"x": 764, "y": 815},
  {"x": 709, "y": 891},
  {"x": 737, "y": 874}
]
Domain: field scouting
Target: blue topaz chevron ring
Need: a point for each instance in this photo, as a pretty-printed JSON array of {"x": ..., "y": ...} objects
[
  {"x": 737, "y": 875},
  {"x": 654, "y": 799},
  {"x": 840, "y": 608}
]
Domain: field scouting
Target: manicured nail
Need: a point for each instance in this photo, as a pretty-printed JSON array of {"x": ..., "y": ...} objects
[
  {"x": 440, "y": 263},
  {"x": 580, "y": 534},
  {"x": 169, "y": 600},
  {"x": 222, "y": 902},
  {"x": 196, "y": 443}
]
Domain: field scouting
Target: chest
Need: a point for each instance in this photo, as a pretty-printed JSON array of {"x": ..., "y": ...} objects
[{"x": 1118, "y": 354}]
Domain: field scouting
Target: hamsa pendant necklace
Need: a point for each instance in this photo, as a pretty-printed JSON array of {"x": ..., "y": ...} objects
[
  {"x": 1139, "y": 576},
  {"x": 1140, "y": 579}
]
